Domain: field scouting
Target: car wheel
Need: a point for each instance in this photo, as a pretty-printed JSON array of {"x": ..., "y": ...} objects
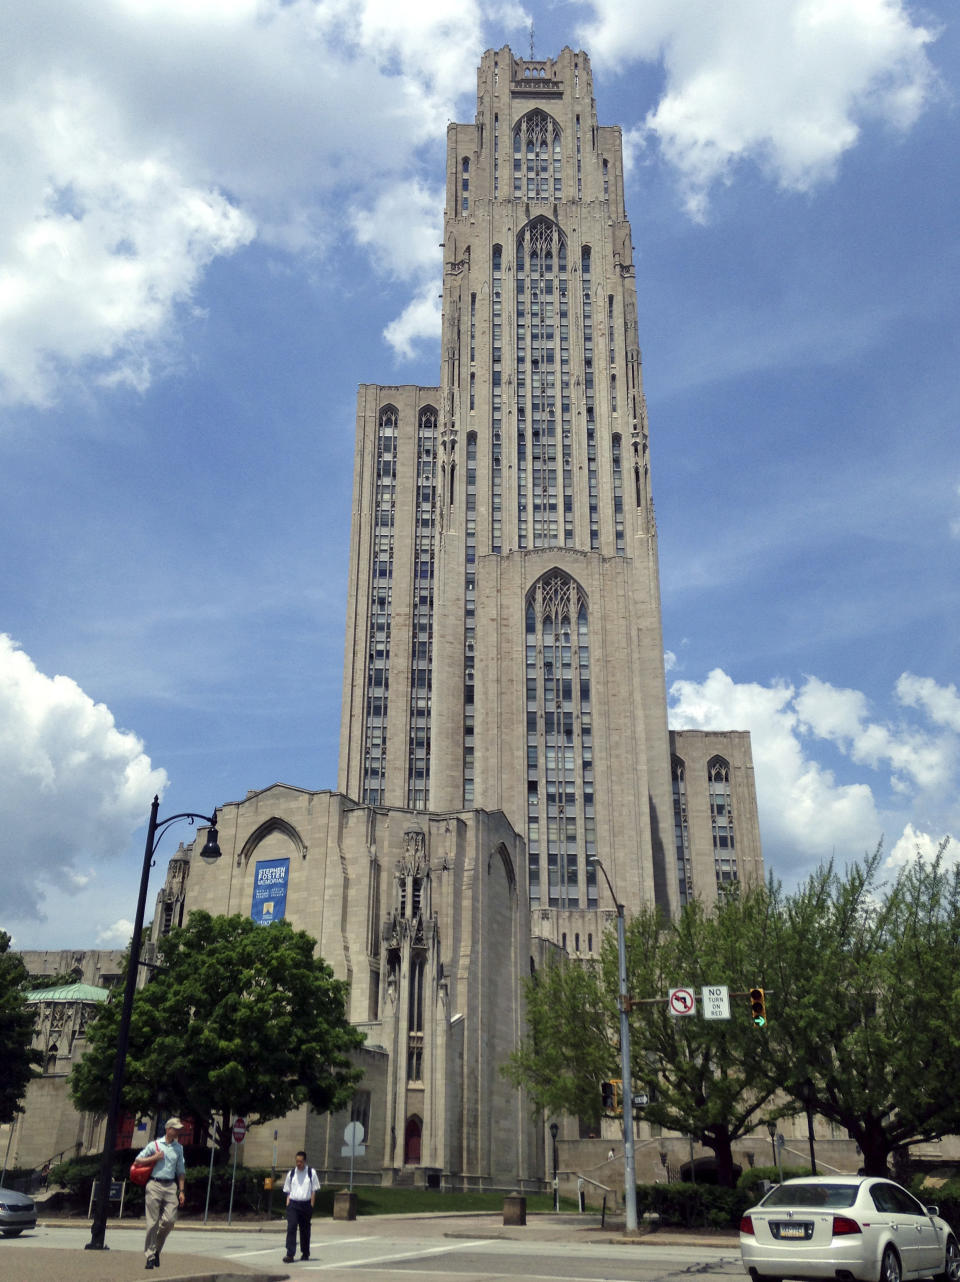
[
  {"x": 11, "y": 1232},
  {"x": 765, "y": 1277},
  {"x": 951, "y": 1262},
  {"x": 890, "y": 1270}
]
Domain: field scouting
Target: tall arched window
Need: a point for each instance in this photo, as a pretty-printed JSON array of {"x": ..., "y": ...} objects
[
  {"x": 561, "y": 823},
  {"x": 537, "y": 158},
  {"x": 617, "y": 457},
  {"x": 415, "y": 1021},
  {"x": 496, "y": 405},
  {"x": 421, "y": 658},
  {"x": 544, "y": 454},
  {"x": 470, "y": 619},
  {"x": 381, "y": 592},
  {"x": 588, "y": 390},
  {"x": 721, "y": 815},
  {"x": 680, "y": 830}
]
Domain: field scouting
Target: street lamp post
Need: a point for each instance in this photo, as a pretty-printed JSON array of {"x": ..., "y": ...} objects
[
  {"x": 211, "y": 851},
  {"x": 629, "y": 1166},
  {"x": 772, "y": 1128},
  {"x": 554, "y": 1132}
]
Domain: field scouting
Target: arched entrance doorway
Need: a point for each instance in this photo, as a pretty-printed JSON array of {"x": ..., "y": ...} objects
[{"x": 411, "y": 1141}]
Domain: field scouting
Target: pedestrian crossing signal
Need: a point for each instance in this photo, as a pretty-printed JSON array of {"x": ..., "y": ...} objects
[{"x": 758, "y": 1006}]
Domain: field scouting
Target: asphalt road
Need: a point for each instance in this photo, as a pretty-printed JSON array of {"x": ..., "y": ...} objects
[{"x": 439, "y": 1248}]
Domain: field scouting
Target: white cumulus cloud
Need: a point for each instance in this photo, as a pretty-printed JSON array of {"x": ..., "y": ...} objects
[
  {"x": 116, "y": 935},
  {"x": 807, "y": 814},
  {"x": 141, "y": 140},
  {"x": 786, "y": 85},
  {"x": 73, "y": 787}
]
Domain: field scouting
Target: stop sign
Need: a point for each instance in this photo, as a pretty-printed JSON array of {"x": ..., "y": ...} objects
[{"x": 239, "y": 1130}]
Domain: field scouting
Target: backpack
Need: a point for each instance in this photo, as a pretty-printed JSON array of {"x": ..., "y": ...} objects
[{"x": 309, "y": 1171}]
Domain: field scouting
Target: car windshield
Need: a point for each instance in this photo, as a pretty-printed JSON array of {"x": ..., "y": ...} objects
[{"x": 831, "y": 1195}]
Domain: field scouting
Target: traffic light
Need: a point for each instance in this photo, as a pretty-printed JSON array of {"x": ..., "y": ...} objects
[
  {"x": 610, "y": 1096},
  {"x": 758, "y": 1006}
]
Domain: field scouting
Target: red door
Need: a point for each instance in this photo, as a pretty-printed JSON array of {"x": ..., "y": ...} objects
[{"x": 411, "y": 1141}]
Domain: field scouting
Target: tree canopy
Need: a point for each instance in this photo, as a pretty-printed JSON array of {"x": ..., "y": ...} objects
[
  {"x": 866, "y": 979},
  {"x": 703, "y": 1077},
  {"x": 238, "y": 1019},
  {"x": 862, "y": 979},
  {"x": 17, "y": 1057}
]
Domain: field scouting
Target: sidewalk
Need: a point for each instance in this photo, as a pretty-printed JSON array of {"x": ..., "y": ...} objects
[{"x": 69, "y": 1264}]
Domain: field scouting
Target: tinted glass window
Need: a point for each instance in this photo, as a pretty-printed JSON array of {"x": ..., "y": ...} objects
[
  {"x": 800, "y": 1194},
  {"x": 891, "y": 1198}
]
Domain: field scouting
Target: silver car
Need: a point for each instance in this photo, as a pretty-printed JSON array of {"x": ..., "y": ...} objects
[
  {"x": 17, "y": 1212},
  {"x": 846, "y": 1227}
]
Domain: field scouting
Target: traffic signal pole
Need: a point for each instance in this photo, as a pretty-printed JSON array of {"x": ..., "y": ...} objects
[{"x": 629, "y": 1164}]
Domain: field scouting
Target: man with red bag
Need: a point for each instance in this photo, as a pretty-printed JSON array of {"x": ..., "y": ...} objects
[{"x": 165, "y": 1188}]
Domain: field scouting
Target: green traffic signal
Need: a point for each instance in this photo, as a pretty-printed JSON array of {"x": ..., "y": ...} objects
[{"x": 758, "y": 1006}]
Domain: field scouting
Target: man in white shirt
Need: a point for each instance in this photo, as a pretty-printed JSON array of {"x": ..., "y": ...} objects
[{"x": 300, "y": 1186}]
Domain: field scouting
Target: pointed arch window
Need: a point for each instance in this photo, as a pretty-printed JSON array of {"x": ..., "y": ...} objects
[
  {"x": 537, "y": 158},
  {"x": 561, "y": 817},
  {"x": 721, "y": 816}
]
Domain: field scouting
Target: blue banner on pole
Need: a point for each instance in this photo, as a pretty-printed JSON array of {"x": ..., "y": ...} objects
[{"x": 270, "y": 891}]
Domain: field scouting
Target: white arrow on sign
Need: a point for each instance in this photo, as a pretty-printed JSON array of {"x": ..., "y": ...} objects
[{"x": 681, "y": 1001}]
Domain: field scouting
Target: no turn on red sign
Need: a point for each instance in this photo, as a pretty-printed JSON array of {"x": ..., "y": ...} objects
[{"x": 239, "y": 1131}]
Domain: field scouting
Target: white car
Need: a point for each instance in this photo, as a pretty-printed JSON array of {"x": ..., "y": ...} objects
[{"x": 846, "y": 1227}]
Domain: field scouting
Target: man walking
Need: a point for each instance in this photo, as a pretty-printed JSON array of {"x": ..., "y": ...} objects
[
  {"x": 165, "y": 1188},
  {"x": 301, "y": 1187}
]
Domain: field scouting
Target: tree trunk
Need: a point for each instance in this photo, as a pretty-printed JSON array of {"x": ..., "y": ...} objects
[
  {"x": 718, "y": 1139},
  {"x": 875, "y": 1147}
]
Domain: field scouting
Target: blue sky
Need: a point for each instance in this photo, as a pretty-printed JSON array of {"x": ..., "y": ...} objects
[{"x": 220, "y": 216}]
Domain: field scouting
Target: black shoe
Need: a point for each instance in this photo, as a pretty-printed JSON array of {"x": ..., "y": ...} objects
[
  {"x": 304, "y": 1257},
  {"x": 288, "y": 1259},
  {"x": 151, "y": 1262}
]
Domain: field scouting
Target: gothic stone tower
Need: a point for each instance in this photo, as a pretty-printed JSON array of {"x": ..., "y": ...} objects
[{"x": 504, "y": 647}]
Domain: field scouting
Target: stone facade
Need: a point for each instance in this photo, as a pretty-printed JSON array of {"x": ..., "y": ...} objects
[
  {"x": 397, "y": 901},
  {"x": 50, "y": 1129},
  {"x": 504, "y": 716},
  {"x": 504, "y": 643}
]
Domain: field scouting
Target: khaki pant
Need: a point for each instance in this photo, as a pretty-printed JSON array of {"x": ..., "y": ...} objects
[{"x": 162, "y": 1204}]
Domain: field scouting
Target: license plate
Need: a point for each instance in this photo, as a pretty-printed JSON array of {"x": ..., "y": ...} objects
[{"x": 801, "y": 1231}]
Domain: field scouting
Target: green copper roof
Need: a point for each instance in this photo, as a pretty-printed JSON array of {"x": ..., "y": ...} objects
[{"x": 69, "y": 993}]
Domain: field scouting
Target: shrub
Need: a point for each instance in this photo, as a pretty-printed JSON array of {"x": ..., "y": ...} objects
[{"x": 694, "y": 1205}]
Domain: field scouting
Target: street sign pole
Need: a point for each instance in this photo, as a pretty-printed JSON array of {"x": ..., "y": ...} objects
[
  {"x": 629, "y": 1165},
  {"x": 213, "y": 1149},
  {"x": 239, "y": 1134}
]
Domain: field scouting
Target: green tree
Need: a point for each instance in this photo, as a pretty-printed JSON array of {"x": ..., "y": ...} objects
[
  {"x": 238, "y": 1019},
  {"x": 867, "y": 980},
  {"x": 17, "y": 1057},
  {"x": 702, "y": 1075}
]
